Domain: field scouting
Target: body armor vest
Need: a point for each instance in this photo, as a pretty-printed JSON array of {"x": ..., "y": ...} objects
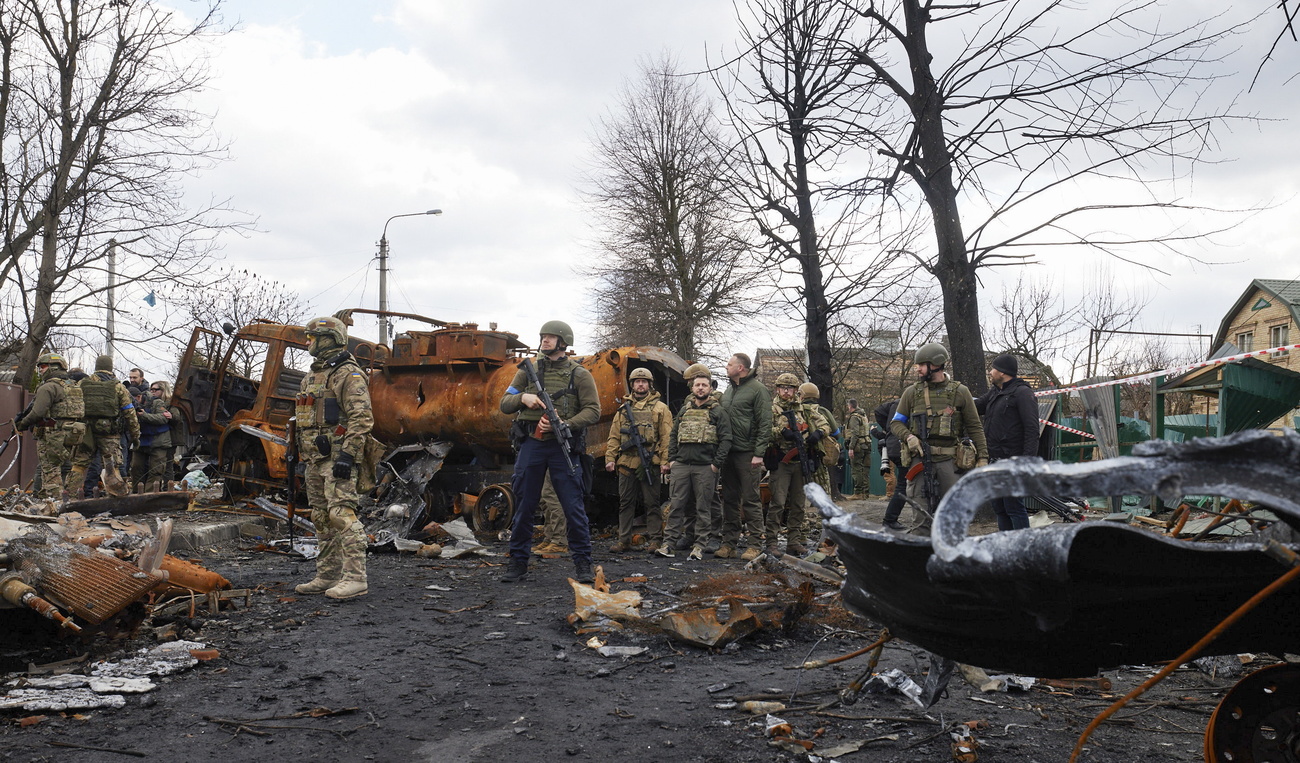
[
  {"x": 942, "y": 415},
  {"x": 559, "y": 383},
  {"x": 317, "y": 407},
  {"x": 697, "y": 426},
  {"x": 644, "y": 421},
  {"x": 100, "y": 397},
  {"x": 71, "y": 406}
]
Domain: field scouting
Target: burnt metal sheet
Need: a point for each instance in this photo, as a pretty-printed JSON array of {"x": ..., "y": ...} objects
[{"x": 1069, "y": 600}]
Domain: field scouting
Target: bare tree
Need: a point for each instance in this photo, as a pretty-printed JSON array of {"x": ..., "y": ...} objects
[
  {"x": 97, "y": 132},
  {"x": 1035, "y": 321},
  {"x": 790, "y": 101},
  {"x": 1002, "y": 126},
  {"x": 673, "y": 270},
  {"x": 244, "y": 298}
]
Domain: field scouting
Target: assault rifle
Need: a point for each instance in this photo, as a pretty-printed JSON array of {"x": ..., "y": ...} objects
[
  {"x": 925, "y": 467},
  {"x": 800, "y": 447},
  {"x": 560, "y": 429},
  {"x": 637, "y": 441}
]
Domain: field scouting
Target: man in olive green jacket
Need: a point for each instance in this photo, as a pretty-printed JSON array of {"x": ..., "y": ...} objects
[{"x": 749, "y": 411}]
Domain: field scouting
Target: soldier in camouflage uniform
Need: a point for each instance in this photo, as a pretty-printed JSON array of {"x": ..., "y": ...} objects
[
  {"x": 787, "y": 479},
  {"x": 577, "y": 402},
  {"x": 555, "y": 529},
  {"x": 859, "y": 444},
  {"x": 109, "y": 412},
  {"x": 56, "y": 415},
  {"x": 951, "y": 415},
  {"x": 654, "y": 422},
  {"x": 333, "y": 420},
  {"x": 828, "y": 449},
  {"x": 698, "y": 445}
]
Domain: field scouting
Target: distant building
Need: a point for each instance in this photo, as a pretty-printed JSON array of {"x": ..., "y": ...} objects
[{"x": 1266, "y": 315}]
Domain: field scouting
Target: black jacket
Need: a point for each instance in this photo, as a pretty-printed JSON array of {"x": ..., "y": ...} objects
[
  {"x": 884, "y": 414},
  {"x": 1010, "y": 419}
]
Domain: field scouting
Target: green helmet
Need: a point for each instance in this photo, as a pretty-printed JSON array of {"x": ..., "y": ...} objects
[
  {"x": 809, "y": 391},
  {"x": 52, "y": 359},
  {"x": 104, "y": 363},
  {"x": 641, "y": 373},
  {"x": 560, "y": 329},
  {"x": 787, "y": 380},
  {"x": 933, "y": 353},
  {"x": 328, "y": 326},
  {"x": 695, "y": 371}
]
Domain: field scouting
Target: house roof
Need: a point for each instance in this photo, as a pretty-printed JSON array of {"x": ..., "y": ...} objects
[{"x": 1287, "y": 292}]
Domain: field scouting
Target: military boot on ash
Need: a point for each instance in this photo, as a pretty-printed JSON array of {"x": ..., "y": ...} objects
[
  {"x": 318, "y": 585},
  {"x": 582, "y": 572},
  {"x": 516, "y": 569},
  {"x": 347, "y": 589}
]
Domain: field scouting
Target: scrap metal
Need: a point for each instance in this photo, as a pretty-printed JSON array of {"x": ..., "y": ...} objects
[{"x": 1067, "y": 600}]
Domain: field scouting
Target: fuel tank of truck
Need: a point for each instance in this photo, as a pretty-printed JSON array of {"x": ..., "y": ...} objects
[{"x": 447, "y": 385}]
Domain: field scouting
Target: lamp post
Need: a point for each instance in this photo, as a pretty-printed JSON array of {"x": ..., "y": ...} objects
[{"x": 383, "y": 271}]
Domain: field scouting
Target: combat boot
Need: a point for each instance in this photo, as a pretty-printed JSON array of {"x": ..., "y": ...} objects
[
  {"x": 582, "y": 572},
  {"x": 318, "y": 585},
  {"x": 347, "y": 589},
  {"x": 516, "y": 569}
]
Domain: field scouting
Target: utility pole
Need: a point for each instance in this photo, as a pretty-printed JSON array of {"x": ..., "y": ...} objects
[
  {"x": 383, "y": 272},
  {"x": 110, "y": 324}
]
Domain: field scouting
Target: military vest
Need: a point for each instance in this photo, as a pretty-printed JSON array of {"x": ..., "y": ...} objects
[
  {"x": 697, "y": 426},
  {"x": 100, "y": 397},
  {"x": 644, "y": 421},
  {"x": 317, "y": 407},
  {"x": 564, "y": 395},
  {"x": 942, "y": 415},
  {"x": 71, "y": 406},
  {"x": 802, "y": 415}
]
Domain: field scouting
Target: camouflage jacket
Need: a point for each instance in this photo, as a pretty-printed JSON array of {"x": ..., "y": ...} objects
[
  {"x": 855, "y": 431},
  {"x": 333, "y": 402},
  {"x": 951, "y": 415},
  {"x": 806, "y": 415}
]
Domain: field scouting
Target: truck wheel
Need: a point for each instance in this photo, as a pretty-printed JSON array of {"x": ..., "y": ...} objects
[
  {"x": 241, "y": 466},
  {"x": 494, "y": 509}
]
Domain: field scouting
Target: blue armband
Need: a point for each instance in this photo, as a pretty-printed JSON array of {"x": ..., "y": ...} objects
[
  {"x": 512, "y": 391},
  {"x": 900, "y": 417}
]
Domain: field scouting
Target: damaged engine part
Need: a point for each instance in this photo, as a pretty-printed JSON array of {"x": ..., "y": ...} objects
[{"x": 1069, "y": 600}]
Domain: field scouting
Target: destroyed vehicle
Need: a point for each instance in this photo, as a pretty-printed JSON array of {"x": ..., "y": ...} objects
[
  {"x": 435, "y": 395},
  {"x": 1067, "y": 600}
]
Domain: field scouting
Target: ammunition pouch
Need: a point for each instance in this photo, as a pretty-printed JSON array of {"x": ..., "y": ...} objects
[
  {"x": 324, "y": 445},
  {"x": 964, "y": 458},
  {"x": 73, "y": 432},
  {"x": 104, "y": 426}
]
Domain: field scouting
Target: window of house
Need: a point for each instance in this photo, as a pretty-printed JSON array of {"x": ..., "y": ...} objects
[
  {"x": 1277, "y": 336},
  {"x": 1246, "y": 341}
]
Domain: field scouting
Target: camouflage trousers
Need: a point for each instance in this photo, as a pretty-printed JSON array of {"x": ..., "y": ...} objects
[
  {"x": 861, "y": 463},
  {"x": 109, "y": 448},
  {"x": 787, "y": 497},
  {"x": 52, "y": 453},
  {"x": 341, "y": 538},
  {"x": 149, "y": 466}
]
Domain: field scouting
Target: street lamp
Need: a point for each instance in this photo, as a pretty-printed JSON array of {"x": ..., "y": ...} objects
[{"x": 383, "y": 271}]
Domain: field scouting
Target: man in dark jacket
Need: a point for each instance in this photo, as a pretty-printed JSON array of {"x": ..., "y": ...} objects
[
  {"x": 1011, "y": 428},
  {"x": 749, "y": 411}
]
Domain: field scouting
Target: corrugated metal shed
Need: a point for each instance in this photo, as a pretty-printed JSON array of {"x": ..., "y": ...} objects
[{"x": 1251, "y": 393}]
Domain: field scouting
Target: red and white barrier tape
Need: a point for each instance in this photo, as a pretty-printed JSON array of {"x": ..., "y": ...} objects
[
  {"x": 1089, "y": 435},
  {"x": 1169, "y": 371}
]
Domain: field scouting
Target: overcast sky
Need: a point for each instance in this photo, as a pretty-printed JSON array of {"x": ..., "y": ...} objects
[{"x": 341, "y": 114}]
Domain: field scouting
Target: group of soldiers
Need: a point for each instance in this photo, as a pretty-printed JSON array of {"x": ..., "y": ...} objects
[
  {"x": 78, "y": 418},
  {"x": 717, "y": 439}
]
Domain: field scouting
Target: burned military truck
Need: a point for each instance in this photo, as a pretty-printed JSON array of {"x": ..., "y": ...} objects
[{"x": 435, "y": 395}]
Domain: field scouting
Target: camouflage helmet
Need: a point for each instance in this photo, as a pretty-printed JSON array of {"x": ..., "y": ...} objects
[
  {"x": 104, "y": 363},
  {"x": 560, "y": 329},
  {"x": 809, "y": 391},
  {"x": 695, "y": 371},
  {"x": 933, "y": 353},
  {"x": 52, "y": 359},
  {"x": 641, "y": 373},
  {"x": 328, "y": 325},
  {"x": 787, "y": 380}
]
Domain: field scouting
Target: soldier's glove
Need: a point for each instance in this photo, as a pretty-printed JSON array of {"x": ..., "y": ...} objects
[
  {"x": 816, "y": 436},
  {"x": 981, "y": 462},
  {"x": 343, "y": 466},
  {"x": 914, "y": 444},
  {"x": 789, "y": 434}
]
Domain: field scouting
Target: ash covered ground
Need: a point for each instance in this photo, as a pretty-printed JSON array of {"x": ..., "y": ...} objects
[{"x": 441, "y": 662}]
